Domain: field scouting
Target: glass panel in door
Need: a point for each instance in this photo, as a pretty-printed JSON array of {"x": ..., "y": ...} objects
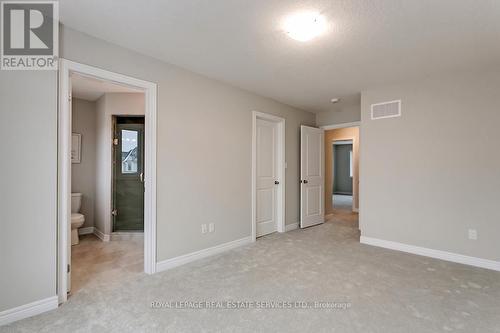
[{"x": 128, "y": 182}]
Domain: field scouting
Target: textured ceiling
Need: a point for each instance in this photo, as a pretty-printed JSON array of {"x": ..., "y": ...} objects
[{"x": 368, "y": 43}]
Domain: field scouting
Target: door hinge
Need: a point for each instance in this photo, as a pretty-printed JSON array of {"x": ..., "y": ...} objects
[
  {"x": 115, "y": 142},
  {"x": 69, "y": 268},
  {"x": 114, "y": 212}
]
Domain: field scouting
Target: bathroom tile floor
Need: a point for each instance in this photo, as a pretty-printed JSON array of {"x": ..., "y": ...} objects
[{"x": 95, "y": 261}]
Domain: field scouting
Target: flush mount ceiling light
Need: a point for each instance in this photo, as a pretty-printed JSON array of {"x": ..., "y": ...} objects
[{"x": 304, "y": 26}]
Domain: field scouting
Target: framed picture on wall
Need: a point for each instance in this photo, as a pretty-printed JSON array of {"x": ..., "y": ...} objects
[{"x": 76, "y": 148}]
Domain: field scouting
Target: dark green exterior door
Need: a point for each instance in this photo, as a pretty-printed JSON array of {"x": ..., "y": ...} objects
[
  {"x": 342, "y": 178},
  {"x": 128, "y": 174}
]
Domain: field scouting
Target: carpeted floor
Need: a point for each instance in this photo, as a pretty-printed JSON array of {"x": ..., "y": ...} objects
[
  {"x": 343, "y": 202},
  {"x": 375, "y": 290}
]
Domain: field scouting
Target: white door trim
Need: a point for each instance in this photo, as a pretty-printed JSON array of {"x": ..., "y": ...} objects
[
  {"x": 339, "y": 142},
  {"x": 344, "y": 125},
  {"x": 67, "y": 67},
  {"x": 281, "y": 170}
]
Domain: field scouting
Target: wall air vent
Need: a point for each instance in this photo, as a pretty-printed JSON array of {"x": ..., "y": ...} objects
[{"x": 386, "y": 110}]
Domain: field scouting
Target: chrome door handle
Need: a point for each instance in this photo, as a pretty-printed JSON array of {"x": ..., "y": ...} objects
[{"x": 141, "y": 177}]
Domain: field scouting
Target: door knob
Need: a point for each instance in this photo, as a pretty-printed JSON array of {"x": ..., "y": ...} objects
[
  {"x": 276, "y": 182},
  {"x": 305, "y": 181}
]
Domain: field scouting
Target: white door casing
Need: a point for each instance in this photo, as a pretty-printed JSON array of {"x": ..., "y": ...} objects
[
  {"x": 312, "y": 176},
  {"x": 268, "y": 167},
  {"x": 267, "y": 175},
  {"x": 68, "y": 254},
  {"x": 67, "y": 67}
]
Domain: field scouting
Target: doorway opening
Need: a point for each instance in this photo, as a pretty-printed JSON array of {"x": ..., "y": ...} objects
[
  {"x": 92, "y": 163},
  {"x": 94, "y": 227},
  {"x": 342, "y": 169},
  {"x": 343, "y": 173}
]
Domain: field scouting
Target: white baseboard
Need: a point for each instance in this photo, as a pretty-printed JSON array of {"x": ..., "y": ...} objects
[
  {"x": 86, "y": 231},
  {"x": 437, "y": 254},
  {"x": 290, "y": 227},
  {"x": 124, "y": 236},
  {"x": 187, "y": 258},
  {"x": 102, "y": 236},
  {"x": 28, "y": 310}
]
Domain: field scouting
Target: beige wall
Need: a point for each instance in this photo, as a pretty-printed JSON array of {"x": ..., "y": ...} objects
[
  {"x": 204, "y": 147},
  {"x": 432, "y": 174},
  {"x": 204, "y": 162},
  {"x": 351, "y": 133},
  {"x": 109, "y": 105},
  {"x": 83, "y": 174},
  {"x": 28, "y": 185},
  {"x": 345, "y": 112}
]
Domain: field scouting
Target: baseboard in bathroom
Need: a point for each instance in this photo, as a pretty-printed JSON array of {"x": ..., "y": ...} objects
[
  {"x": 102, "y": 236},
  {"x": 86, "y": 231},
  {"x": 127, "y": 235}
]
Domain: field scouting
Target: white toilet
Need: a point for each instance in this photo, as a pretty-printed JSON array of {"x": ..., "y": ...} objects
[{"x": 77, "y": 219}]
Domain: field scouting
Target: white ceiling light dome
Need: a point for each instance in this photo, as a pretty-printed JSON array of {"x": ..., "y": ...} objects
[{"x": 304, "y": 26}]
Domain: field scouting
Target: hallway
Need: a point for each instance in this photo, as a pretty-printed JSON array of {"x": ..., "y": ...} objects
[{"x": 342, "y": 202}]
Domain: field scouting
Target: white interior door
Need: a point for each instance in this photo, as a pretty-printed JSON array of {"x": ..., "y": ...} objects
[
  {"x": 312, "y": 176},
  {"x": 267, "y": 181}
]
